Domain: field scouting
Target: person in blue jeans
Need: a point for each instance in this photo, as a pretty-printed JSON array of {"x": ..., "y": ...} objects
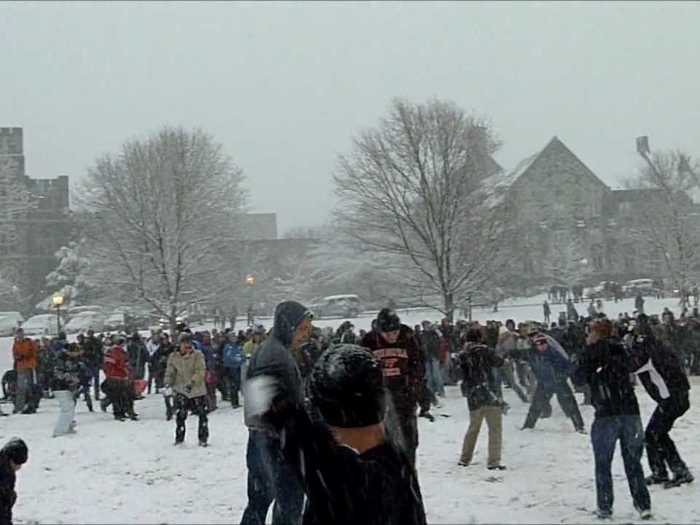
[
  {"x": 606, "y": 366},
  {"x": 270, "y": 476}
]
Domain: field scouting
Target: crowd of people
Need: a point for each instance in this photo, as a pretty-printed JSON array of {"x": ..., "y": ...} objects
[{"x": 333, "y": 414}]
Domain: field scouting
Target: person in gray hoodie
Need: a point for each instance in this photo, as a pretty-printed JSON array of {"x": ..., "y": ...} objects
[{"x": 270, "y": 477}]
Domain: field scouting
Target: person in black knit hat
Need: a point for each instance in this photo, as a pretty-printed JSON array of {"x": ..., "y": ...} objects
[
  {"x": 12, "y": 456},
  {"x": 351, "y": 469},
  {"x": 403, "y": 366}
]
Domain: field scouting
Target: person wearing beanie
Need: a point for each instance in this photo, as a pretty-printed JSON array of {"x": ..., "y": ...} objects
[
  {"x": 12, "y": 456},
  {"x": 270, "y": 477},
  {"x": 352, "y": 470},
  {"x": 403, "y": 365},
  {"x": 483, "y": 402}
]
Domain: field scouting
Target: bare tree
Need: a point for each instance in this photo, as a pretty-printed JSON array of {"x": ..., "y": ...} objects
[
  {"x": 159, "y": 211},
  {"x": 669, "y": 223},
  {"x": 414, "y": 188}
]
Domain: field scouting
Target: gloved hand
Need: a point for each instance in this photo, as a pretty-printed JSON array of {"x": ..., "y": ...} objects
[{"x": 427, "y": 415}]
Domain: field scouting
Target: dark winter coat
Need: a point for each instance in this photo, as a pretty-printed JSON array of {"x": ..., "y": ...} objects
[
  {"x": 159, "y": 359},
  {"x": 403, "y": 364},
  {"x": 478, "y": 385},
  {"x": 92, "y": 352},
  {"x": 377, "y": 487},
  {"x": 430, "y": 340},
  {"x": 607, "y": 367},
  {"x": 66, "y": 373},
  {"x": 551, "y": 367},
  {"x": 661, "y": 371},
  {"x": 8, "y": 496},
  {"x": 138, "y": 357},
  {"x": 275, "y": 359}
]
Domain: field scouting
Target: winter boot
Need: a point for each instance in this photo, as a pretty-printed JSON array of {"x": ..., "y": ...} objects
[
  {"x": 496, "y": 467},
  {"x": 656, "y": 479},
  {"x": 203, "y": 444},
  {"x": 603, "y": 514},
  {"x": 679, "y": 479}
]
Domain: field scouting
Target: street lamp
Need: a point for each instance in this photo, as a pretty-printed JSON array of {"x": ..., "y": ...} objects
[
  {"x": 250, "y": 281},
  {"x": 57, "y": 301}
]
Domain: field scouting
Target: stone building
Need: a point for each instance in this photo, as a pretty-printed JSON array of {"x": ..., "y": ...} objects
[
  {"x": 564, "y": 211},
  {"x": 41, "y": 228}
]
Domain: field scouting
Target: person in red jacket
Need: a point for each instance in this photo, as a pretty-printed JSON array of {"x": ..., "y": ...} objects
[
  {"x": 24, "y": 351},
  {"x": 117, "y": 385},
  {"x": 403, "y": 367}
]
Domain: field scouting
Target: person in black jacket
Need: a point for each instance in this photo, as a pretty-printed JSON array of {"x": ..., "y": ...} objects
[
  {"x": 665, "y": 381},
  {"x": 403, "y": 364},
  {"x": 12, "y": 456},
  {"x": 93, "y": 352},
  {"x": 606, "y": 367},
  {"x": 269, "y": 476},
  {"x": 478, "y": 386},
  {"x": 430, "y": 341},
  {"x": 138, "y": 356},
  {"x": 352, "y": 471}
]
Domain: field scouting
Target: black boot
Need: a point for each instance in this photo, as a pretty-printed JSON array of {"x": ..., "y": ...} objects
[
  {"x": 656, "y": 479},
  {"x": 679, "y": 479}
]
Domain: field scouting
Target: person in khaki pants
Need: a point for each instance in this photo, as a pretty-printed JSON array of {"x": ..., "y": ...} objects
[{"x": 478, "y": 386}]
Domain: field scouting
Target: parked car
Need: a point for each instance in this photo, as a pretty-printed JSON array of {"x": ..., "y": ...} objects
[
  {"x": 85, "y": 321},
  {"x": 115, "y": 322},
  {"x": 77, "y": 310},
  {"x": 639, "y": 286},
  {"x": 337, "y": 306},
  {"x": 9, "y": 321},
  {"x": 42, "y": 324}
]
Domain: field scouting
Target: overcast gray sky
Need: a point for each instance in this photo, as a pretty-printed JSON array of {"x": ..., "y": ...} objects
[{"x": 286, "y": 85}]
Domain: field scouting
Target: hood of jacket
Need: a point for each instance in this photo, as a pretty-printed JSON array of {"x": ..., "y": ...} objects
[{"x": 288, "y": 316}]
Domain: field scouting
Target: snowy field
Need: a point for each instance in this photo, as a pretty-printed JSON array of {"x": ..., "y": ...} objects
[
  {"x": 114, "y": 472},
  {"x": 129, "y": 472}
]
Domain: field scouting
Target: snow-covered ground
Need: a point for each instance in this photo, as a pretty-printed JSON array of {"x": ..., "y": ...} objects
[{"x": 113, "y": 472}]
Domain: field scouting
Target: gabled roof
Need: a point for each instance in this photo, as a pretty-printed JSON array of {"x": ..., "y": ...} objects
[{"x": 525, "y": 165}]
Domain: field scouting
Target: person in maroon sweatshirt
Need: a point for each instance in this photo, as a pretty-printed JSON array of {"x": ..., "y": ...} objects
[
  {"x": 117, "y": 386},
  {"x": 403, "y": 366}
]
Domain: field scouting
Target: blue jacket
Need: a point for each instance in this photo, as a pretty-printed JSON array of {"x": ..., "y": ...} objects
[
  {"x": 551, "y": 366},
  {"x": 233, "y": 355}
]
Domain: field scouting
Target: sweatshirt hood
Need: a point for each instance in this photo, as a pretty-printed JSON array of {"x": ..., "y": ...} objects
[{"x": 288, "y": 316}]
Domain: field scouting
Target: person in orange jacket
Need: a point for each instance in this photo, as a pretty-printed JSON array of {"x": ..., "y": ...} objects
[{"x": 25, "y": 353}]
